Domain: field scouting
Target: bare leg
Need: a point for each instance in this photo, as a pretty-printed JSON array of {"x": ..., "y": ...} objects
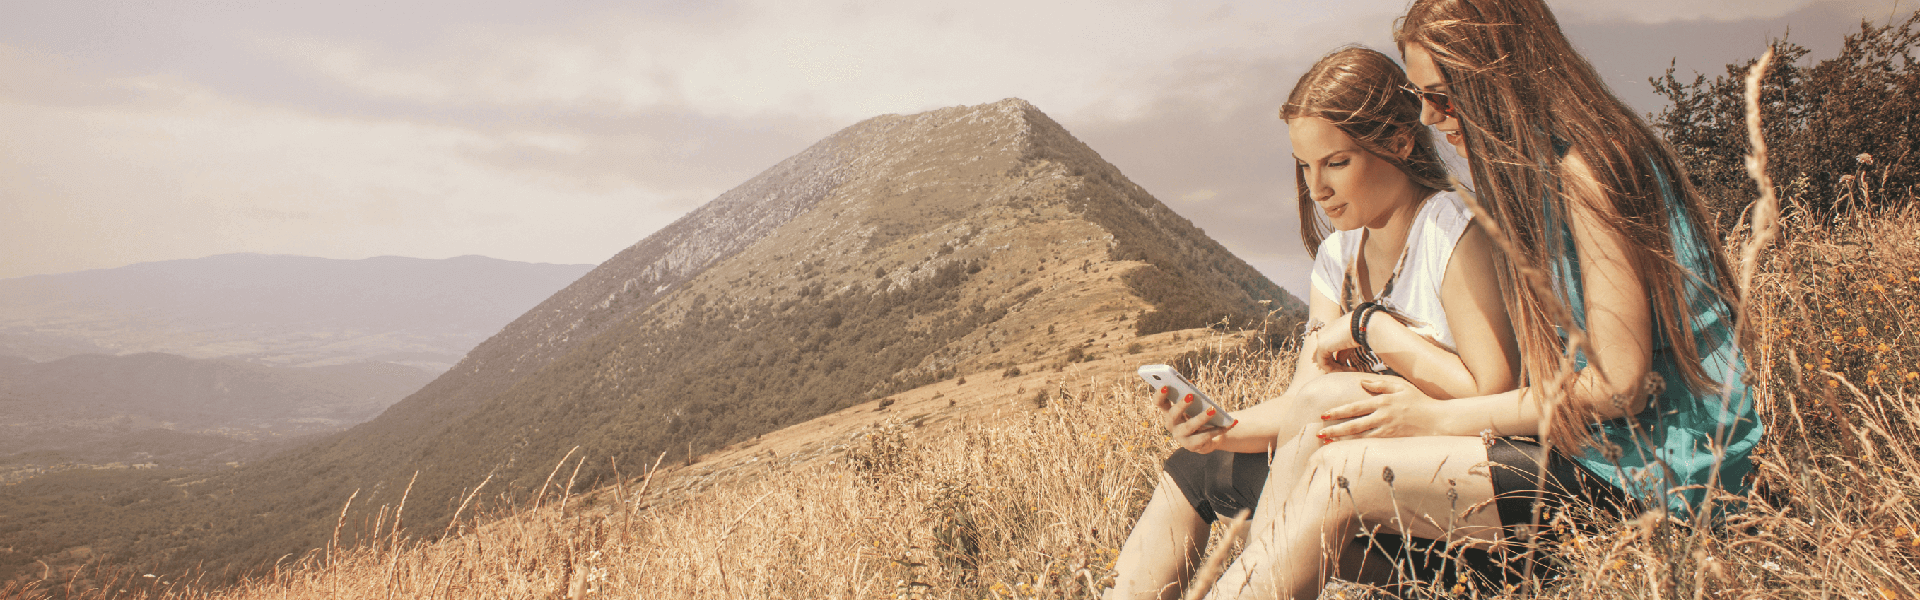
[
  {"x": 1345, "y": 488},
  {"x": 1161, "y": 552},
  {"x": 1165, "y": 544}
]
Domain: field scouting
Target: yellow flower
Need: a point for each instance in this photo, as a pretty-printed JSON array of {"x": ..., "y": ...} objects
[
  {"x": 1861, "y": 331},
  {"x": 1884, "y": 347},
  {"x": 1833, "y": 384},
  {"x": 1911, "y": 375}
]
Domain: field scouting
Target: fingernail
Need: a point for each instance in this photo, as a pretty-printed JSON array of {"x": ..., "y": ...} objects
[
  {"x": 1164, "y": 389},
  {"x": 1189, "y": 398},
  {"x": 1235, "y": 423},
  {"x": 1324, "y": 417},
  {"x": 1324, "y": 441},
  {"x": 1209, "y": 412}
]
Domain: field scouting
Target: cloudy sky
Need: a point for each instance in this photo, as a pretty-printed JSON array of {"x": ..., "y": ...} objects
[{"x": 133, "y": 130}]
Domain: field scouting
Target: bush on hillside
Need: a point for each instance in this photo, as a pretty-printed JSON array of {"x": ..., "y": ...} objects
[{"x": 1842, "y": 132}]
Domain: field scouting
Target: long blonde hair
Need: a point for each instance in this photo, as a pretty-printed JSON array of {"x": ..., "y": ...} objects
[
  {"x": 1359, "y": 90},
  {"x": 1525, "y": 97}
]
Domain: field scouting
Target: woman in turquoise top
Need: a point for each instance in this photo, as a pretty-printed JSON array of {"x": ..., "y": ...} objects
[{"x": 1650, "y": 413}]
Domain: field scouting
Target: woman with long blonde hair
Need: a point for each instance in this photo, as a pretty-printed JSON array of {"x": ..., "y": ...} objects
[{"x": 1633, "y": 395}]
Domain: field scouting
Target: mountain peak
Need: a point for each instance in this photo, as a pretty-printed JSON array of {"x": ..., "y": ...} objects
[{"x": 898, "y": 252}]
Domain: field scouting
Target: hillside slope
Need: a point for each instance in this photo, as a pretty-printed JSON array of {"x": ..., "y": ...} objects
[{"x": 899, "y": 252}]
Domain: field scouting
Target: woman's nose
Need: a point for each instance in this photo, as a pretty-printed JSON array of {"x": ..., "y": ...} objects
[{"x": 1431, "y": 116}]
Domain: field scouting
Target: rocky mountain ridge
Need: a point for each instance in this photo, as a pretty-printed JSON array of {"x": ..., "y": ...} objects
[{"x": 901, "y": 252}]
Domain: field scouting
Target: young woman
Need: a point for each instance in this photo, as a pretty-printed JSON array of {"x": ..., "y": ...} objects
[
  {"x": 1401, "y": 284},
  {"x": 1650, "y": 412}
]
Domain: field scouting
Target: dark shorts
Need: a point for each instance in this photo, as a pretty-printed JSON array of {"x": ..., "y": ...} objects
[{"x": 1220, "y": 484}]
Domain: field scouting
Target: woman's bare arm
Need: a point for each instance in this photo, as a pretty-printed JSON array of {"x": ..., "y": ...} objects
[
  {"x": 1485, "y": 357},
  {"x": 1619, "y": 327}
]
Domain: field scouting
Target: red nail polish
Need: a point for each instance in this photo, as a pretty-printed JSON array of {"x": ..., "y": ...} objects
[
  {"x": 1324, "y": 417},
  {"x": 1236, "y": 422},
  {"x": 1209, "y": 412},
  {"x": 1189, "y": 398}
]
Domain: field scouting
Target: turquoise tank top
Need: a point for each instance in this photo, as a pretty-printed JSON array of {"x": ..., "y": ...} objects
[{"x": 1672, "y": 451}]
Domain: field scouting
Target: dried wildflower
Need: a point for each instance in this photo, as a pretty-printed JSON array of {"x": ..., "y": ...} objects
[{"x": 1864, "y": 158}]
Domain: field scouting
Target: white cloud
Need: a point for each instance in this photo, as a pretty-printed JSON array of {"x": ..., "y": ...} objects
[
  {"x": 1665, "y": 11},
  {"x": 175, "y": 170},
  {"x": 844, "y": 60}
]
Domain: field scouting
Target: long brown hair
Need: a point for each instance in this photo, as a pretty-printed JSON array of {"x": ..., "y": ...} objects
[
  {"x": 1359, "y": 90},
  {"x": 1524, "y": 98}
]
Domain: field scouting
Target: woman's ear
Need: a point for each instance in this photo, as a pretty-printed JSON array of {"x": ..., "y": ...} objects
[{"x": 1403, "y": 146}]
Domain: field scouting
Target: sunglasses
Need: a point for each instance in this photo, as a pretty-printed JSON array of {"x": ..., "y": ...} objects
[{"x": 1439, "y": 100}]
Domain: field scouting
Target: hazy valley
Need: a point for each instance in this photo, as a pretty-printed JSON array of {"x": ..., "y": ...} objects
[{"x": 207, "y": 363}]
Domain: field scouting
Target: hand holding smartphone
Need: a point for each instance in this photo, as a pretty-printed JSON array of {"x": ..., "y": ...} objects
[{"x": 1160, "y": 376}]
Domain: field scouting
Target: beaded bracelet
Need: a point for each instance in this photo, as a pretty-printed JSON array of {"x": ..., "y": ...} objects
[{"x": 1357, "y": 323}]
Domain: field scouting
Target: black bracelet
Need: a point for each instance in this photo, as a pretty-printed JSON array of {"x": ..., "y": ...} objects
[{"x": 1357, "y": 323}]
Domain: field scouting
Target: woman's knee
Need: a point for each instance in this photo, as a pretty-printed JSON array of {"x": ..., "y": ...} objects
[{"x": 1331, "y": 391}]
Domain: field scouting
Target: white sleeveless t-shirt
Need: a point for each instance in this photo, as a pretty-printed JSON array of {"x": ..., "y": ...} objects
[{"x": 1416, "y": 291}]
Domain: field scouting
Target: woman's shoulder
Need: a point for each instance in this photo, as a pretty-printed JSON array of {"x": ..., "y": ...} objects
[
  {"x": 1448, "y": 208},
  {"x": 1338, "y": 247},
  {"x": 1330, "y": 262},
  {"x": 1441, "y": 221}
]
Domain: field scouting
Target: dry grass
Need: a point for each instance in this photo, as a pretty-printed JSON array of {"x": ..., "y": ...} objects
[{"x": 1036, "y": 503}]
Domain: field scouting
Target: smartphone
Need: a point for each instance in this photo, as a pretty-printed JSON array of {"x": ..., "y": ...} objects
[{"x": 1160, "y": 376}]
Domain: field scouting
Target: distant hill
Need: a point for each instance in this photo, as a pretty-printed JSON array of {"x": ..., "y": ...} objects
[
  {"x": 178, "y": 412},
  {"x": 901, "y": 251},
  {"x": 277, "y": 310}
]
